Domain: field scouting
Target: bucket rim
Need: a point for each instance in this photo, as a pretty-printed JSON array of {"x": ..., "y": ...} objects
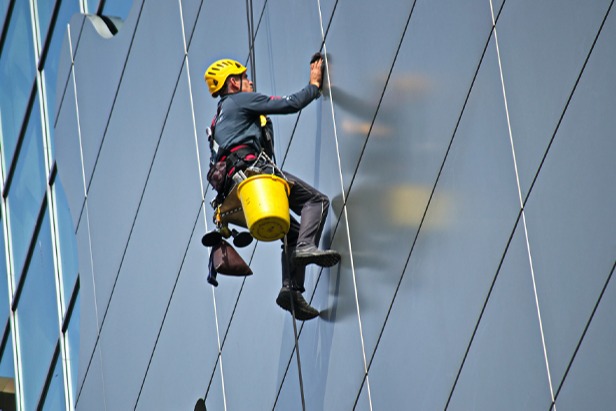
[{"x": 265, "y": 175}]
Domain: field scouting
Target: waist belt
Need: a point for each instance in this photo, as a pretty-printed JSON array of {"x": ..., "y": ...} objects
[{"x": 239, "y": 158}]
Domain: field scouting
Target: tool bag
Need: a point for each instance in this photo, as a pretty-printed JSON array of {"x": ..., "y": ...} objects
[{"x": 224, "y": 259}]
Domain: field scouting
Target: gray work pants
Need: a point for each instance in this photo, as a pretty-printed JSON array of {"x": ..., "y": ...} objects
[{"x": 312, "y": 207}]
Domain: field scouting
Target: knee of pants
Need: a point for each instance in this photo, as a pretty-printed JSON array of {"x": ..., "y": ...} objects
[{"x": 323, "y": 199}]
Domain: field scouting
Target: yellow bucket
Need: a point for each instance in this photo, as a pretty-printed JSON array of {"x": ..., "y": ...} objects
[{"x": 265, "y": 202}]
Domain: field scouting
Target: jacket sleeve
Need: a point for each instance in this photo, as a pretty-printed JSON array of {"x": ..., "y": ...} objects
[{"x": 261, "y": 104}]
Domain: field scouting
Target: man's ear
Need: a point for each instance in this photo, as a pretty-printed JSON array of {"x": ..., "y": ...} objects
[{"x": 234, "y": 84}]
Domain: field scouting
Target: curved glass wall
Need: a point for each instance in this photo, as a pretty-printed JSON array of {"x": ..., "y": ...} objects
[{"x": 39, "y": 290}]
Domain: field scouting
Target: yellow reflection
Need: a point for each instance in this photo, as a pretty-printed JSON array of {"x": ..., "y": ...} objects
[{"x": 406, "y": 205}]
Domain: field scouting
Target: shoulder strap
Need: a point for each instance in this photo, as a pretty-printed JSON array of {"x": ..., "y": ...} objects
[{"x": 210, "y": 134}]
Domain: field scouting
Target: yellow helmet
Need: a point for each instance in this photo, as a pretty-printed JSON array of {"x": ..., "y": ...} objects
[{"x": 216, "y": 74}]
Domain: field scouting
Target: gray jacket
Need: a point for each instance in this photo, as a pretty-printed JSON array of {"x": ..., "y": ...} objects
[{"x": 237, "y": 120}]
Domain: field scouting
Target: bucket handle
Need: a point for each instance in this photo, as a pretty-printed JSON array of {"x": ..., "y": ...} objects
[{"x": 270, "y": 162}]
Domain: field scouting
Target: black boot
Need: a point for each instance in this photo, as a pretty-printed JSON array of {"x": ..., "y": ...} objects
[
  {"x": 292, "y": 300},
  {"x": 309, "y": 254}
]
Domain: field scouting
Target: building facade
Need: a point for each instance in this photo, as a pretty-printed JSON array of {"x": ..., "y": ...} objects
[
  {"x": 39, "y": 286},
  {"x": 468, "y": 151}
]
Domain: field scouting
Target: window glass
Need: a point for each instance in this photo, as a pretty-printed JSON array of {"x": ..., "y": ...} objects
[
  {"x": 27, "y": 190},
  {"x": 54, "y": 398},
  {"x": 117, "y": 8},
  {"x": 45, "y": 10},
  {"x": 72, "y": 337},
  {"x": 4, "y": 5},
  {"x": 37, "y": 318},
  {"x": 4, "y": 289},
  {"x": 7, "y": 376},
  {"x": 50, "y": 70},
  {"x": 68, "y": 243},
  {"x": 92, "y": 6},
  {"x": 17, "y": 73}
]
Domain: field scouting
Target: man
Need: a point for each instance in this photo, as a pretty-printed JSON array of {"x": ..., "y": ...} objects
[{"x": 239, "y": 133}]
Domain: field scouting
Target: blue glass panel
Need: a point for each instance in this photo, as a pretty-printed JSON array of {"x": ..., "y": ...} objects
[
  {"x": 493, "y": 377},
  {"x": 54, "y": 399},
  {"x": 269, "y": 353},
  {"x": 68, "y": 158},
  {"x": 45, "y": 10},
  {"x": 147, "y": 257},
  {"x": 89, "y": 322},
  {"x": 362, "y": 52},
  {"x": 331, "y": 348},
  {"x": 69, "y": 43},
  {"x": 118, "y": 8},
  {"x": 27, "y": 190},
  {"x": 403, "y": 155},
  {"x": 37, "y": 317},
  {"x": 72, "y": 336},
  {"x": 91, "y": 394},
  {"x": 4, "y": 5},
  {"x": 215, "y": 397},
  {"x": 4, "y": 291},
  {"x": 17, "y": 70},
  {"x": 7, "y": 374},
  {"x": 187, "y": 372},
  {"x": 462, "y": 239},
  {"x": 68, "y": 243},
  {"x": 591, "y": 380},
  {"x": 190, "y": 13},
  {"x": 282, "y": 63},
  {"x": 50, "y": 70},
  {"x": 543, "y": 47},
  {"x": 92, "y": 6},
  {"x": 290, "y": 396},
  {"x": 123, "y": 165},
  {"x": 363, "y": 402},
  {"x": 570, "y": 211}
]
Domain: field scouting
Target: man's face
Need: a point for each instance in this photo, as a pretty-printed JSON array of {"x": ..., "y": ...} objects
[{"x": 246, "y": 84}]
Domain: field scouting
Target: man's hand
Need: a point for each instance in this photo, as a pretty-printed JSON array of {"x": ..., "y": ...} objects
[{"x": 316, "y": 70}]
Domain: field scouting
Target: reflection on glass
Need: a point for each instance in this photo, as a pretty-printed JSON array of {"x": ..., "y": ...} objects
[
  {"x": 68, "y": 243},
  {"x": 117, "y": 8},
  {"x": 4, "y": 4},
  {"x": 17, "y": 72},
  {"x": 4, "y": 290},
  {"x": 44, "y": 10},
  {"x": 37, "y": 317},
  {"x": 72, "y": 336},
  {"x": 7, "y": 377},
  {"x": 54, "y": 398},
  {"x": 50, "y": 70},
  {"x": 27, "y": 190},
  {"x": 92, "y": 6}
]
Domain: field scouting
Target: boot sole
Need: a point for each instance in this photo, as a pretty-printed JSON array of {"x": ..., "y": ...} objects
[
  {"x": 284, "y": 302},
  {"x": 324, "y": 259}
]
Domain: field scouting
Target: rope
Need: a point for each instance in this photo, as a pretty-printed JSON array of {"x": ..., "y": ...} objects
[
  {"x": 251, "y": 42},
  {"x": 297, "y": 356}
]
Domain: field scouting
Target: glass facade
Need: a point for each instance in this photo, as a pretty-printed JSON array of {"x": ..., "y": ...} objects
[
  {"x": 39, "y": 287},
  {"x": 466, "y": 146}
]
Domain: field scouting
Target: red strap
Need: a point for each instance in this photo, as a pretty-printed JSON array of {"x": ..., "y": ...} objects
[{"x": 234, "y": 149}]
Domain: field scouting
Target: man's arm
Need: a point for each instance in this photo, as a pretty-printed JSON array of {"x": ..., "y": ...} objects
[
  {"x": 257, "y": 103},
  {"x": 261, "y": 104}
]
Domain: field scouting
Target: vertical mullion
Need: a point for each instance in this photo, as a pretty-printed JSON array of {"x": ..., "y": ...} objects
[{"x": 59, "y": 280}]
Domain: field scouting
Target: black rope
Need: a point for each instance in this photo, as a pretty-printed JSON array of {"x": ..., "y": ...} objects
[
  {"x": 251, "y": 61},
  {"x": 251, "y": 43},
  {"x": 297, "y": 356}
]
